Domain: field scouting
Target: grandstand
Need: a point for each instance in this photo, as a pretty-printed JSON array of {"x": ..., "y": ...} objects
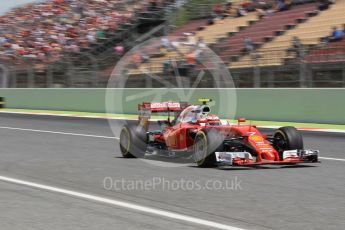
[
  {"x": 331, "y": 53},
  {"x": 210, "y": 33},
  {"x": 222, "y": 28},
  {"x": 52, "y": 36},
  {"x": 272, "y": 38},
  {"x": 45, "y": 31},
  {"x": 229, "y": 34},
  {"x": 59, "y": 43},
  {"x": 262, "y": 31},
  {"x": 274, "y": 53}
]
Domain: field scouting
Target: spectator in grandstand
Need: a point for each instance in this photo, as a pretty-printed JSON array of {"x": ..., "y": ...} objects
[
  {"x": 165, "y": 43},
  {"x": 247, "y": 5},
  {"x": 91, "y": 36},
  {"x": 324, "y": 4},
  {"x": 210, "y": 21},
  {"x": 228, "y": 4},
  {"x": 190, "y": 58},
  {"x": 176, "y": 43},
  {"x": 269, "y": 11},
  {"x": 218, "y": 10},
  {"x": 189, "y": 39},
  {"x": 167, "y": 64},
  {"x": 163, "y": 51},
  {"x": 200, "y": 43},
  {"x": 283, "y": 5},
  {"x": 261, "y": 12},
  {"x": 336, "y": 35},
  {"x": 241, "y": 12},
  {"x": 200, "y": 47},
  {"x": 248, "y": 45},
  {"x": 296, "y": 47},
  {"x": 189, "y": 64},
  {"x": 153, "y": 5},
  {"x": 228, "y": 8},
  {"x": 119, "y": 50},
  {"x": 230, "y": 12},
  {"x": 137, "y": 59},
  {"x": 264, "y": 10}
]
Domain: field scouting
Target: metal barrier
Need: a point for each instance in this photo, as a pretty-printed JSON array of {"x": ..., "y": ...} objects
[
  {"x": 87, "y": 70},
  {"x": 3, "y": 77}
]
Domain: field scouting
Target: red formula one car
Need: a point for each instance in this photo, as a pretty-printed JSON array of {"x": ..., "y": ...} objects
[{"x": 196, "y": 133}]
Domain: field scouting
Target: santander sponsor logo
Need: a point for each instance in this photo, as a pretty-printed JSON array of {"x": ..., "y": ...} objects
[{"x": 157, "y": 105}]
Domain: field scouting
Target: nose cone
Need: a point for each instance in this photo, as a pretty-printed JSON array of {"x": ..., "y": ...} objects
[{"x": 268, "y": 156}]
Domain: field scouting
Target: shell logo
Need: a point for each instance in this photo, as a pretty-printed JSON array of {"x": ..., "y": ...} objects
[{"x": 256, "y": 138}]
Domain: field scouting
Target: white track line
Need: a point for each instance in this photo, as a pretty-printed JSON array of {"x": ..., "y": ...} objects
[
  {"x": 122, "y": 204},
  {"x": 54, "y": 132},
  {"x": 306, "y": 129},
  {"x": 332, "y": 159},
  {"x": 71, "y": 115}
]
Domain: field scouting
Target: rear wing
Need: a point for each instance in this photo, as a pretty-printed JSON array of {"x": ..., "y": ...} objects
[
  {"x": 146, "y": 108},
  {"x": 168, "y": 106}
]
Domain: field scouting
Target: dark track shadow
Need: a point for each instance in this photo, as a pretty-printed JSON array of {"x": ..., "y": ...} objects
[
  {"x": 261, "y": 167},
  {"x": 225, "y": 168},
  {"x": 125, "y": 158},
  {"x": 274, "y": 167},
  {"x": 297, "y": 166},
  {"x": 161, "y": 159}
]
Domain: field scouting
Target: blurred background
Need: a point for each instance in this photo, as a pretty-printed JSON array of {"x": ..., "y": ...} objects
[
  {"x": 263, "y": 43},
  {"x": 6, "y": 6}
]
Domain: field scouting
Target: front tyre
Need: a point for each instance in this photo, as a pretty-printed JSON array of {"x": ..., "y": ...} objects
[
  {"x": 206, "y": 143},
  {"x": 287, "y": 138},
  {"x": 133, "y": 141}
]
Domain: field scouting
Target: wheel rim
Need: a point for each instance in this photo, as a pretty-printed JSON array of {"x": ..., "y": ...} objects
[
  {"x": 200, "y": 150},
  {"x": 281, "y": 142},
  {"x": 124, "y": 141}
]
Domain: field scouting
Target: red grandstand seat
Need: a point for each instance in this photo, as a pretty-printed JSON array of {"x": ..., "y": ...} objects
[{"x": 262, "y": 31}]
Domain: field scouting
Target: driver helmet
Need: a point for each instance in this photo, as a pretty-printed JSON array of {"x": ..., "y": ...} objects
[{"x": 203, "y": 112}]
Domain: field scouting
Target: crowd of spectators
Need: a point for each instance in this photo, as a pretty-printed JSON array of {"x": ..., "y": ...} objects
[
  {"x": 188, "y": 46},
  {"x": 230, "y": 10},
  {"x": 45, "y": 30},
  {"x": 299, "y": 49},
  {"x": 262, "y": 7}
]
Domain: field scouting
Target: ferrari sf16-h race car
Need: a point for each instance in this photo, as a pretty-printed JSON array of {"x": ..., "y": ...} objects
[{"x": 196, "y": 133}]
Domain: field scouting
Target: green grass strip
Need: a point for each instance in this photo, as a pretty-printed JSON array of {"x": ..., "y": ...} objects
[{"x": 133, "y": 116}]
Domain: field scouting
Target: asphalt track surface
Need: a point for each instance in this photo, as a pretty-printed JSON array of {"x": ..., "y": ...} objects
[{"x": 268, "y": 198}]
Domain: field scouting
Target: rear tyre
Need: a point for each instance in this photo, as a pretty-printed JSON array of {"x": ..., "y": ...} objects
[
  {"x": 287, "y": 138},
  {"x": 133, "y": 141},
  {"x": 206, "y": 143}
]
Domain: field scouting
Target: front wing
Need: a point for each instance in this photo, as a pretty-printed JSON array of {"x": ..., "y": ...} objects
[{"x": 246, "y": 159}]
